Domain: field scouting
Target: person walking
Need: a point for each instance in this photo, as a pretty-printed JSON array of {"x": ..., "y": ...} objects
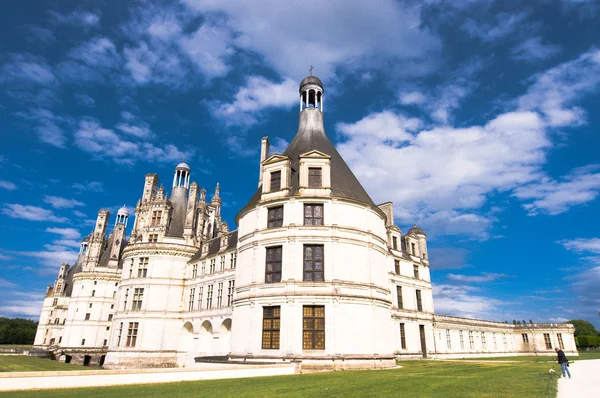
[{"x": 564, "y": 362}]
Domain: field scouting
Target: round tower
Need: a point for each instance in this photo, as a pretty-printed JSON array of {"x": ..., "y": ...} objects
[{"x": 122, "y": 216}]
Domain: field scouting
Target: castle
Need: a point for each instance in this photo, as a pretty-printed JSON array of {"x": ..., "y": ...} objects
[{"x": 316, "y": 273}]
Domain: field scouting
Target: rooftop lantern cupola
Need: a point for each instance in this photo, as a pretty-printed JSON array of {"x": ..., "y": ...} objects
[
  {"x": 311, "y": 93},
  {"x": 122, "y": 216},
  {"x": 182, "y": 176}
]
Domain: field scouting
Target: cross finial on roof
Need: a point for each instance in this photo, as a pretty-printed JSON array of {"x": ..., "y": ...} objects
[{"x": 311, "y": 69}]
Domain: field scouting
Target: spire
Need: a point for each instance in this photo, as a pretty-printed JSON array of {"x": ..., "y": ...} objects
[
  {"x": 216, "y": 197},
  {"x": 203, "y": 195}
]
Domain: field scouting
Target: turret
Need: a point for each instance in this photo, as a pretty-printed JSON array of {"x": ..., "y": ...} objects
[
  {"x": 149, "y": 187},
  {"x": 97, "y": 240},
  {"x": 264, "y": 154},
  {"x": 122, "y": 216},
  {"x": 216, "y": 200}
]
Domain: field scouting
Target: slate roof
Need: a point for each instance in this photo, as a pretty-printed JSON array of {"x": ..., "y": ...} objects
[
  {"x": 344, "y": 183},
  {"x": 215, "y": 245}
]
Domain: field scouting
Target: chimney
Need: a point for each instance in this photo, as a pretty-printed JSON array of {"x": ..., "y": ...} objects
[{"x": 264, "y": 154}]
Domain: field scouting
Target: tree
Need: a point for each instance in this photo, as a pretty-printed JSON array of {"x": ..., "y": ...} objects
[
  {"x": 584, "y": 328},
  {"x": 17, "y": 331}
]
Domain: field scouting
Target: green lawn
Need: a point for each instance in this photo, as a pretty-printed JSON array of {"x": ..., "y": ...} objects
[
  {"x": 22, "y": 363},
  {"x": 19, "y": 346},
  {"x": 586, "y": 355},
  {"x": 416, "y": 379}
]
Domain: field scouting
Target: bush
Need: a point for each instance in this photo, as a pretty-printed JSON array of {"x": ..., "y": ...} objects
[{"x": 587, "y": 341}]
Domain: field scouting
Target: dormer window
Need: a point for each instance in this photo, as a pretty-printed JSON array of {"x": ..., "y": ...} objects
[
  {"x": 275, "y": 181},
  {"x": 315, "y": 177},
  {"x": 394, "y": 243},
  {"x": 156, "y": 216}
]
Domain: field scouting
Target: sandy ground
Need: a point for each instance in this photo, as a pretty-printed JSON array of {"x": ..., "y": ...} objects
[{"x": 584, "y": 381}]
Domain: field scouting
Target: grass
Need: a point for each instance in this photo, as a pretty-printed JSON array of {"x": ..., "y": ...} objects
[
  {"x": 586, "y": 355},
  {"x": 22, "y": 363},
  {"x": 540, "y": 358},
  {"x": 416, "y": 379},
  {"x": 17, "y": 346}
]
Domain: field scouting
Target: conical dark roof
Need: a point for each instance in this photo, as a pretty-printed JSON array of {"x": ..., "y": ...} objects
[{"x": 311, "y": 136}]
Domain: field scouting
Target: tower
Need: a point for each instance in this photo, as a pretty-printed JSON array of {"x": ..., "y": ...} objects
[{"x": 179, "y": 200}]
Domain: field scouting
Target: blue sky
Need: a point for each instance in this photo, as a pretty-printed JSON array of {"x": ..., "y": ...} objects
[{"x": 478, "y": 118}]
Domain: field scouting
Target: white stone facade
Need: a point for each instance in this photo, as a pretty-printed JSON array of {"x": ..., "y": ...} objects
[{"x": 315, "y": 273}]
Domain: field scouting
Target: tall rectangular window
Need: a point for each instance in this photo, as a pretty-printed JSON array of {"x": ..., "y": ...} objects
[
  {"x": 194, "y": 270},
  {"x": 132, "y": 332},
  {"x": 275, "y": 181},
  {"x": 209, "y": 295},
  {"x": 191, "y": 299},
  {"x": 525, "y": 337},
  {"x": 138, "y": 295},
  {"x": 222, "y": 263},
  {"x": 87, "y": 316},
  {"x": 212, "y": 265},
  {"x": 416, "y": 271},
  {"x": 547, "y": 341},
  {"x": 273, "y": 264},
  {"x": 275, "y": 217},
  {"x": 414, "y": 250},
  {"x": 230, "y": 290},
  {"x": 313, "y": 214},
  {"x": 203, "y": 267},
  {"x": 155, "y": 220},
  {"x": 402, "y": 337},
  {"x": 119, "y": 333},
  {"x": 461, "y": 339},
  {"x": 125, "y": 299},
  {"x": 394, "y": 243},
  {"x": 313, "y": 263},
  {"x": 233, "y": 260},
  {"x": 313, "y": 329},
  {"x": 131, "y": 269},
  {"x": 315, "y": 178},
  {"x": 271, "y": 327},
  {"x": 200, "y": 292},
  {"x": 495, "y": 344},
  {"x": 220, "y": 295},
  {"x": 419, "y": 302},
  {"x": 55, "y": 302},
  {"x": 471, "y": 340},
  {"x": 143, "y": 267},
  {"x": 560, "y": 341},
  {"x": 397, "y": 267},
  {"x": 448, "y": 340},
  {"x": 483, "y": 342},
  {"x": 399, "y": 297},
  {"x": 505, "y": 344}
]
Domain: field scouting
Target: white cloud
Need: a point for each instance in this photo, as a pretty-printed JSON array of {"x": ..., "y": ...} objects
[
  {"x": 153, "y": 65},
  {"x": 7, "y": 185},
  {"x": 105, "y": 143},
  {"x": 366, "y": 36},
  {"x": 554, "y": 91},
  {"x": 90, "y": 186},
  {"x": 5, "y": 283},
  {"x": 444, "y": 173},
  {"x": 79, "y": 213},
  {"x": 504, "y": 25},
  {"x": 448, "y": 258},
  {"x": 581, "y": 245},
  {"x": 78, "y": 17},
  {"x": 4, "y": 257},
  {"x": 554, "y": 197},
  {"x": 533, "y": 49},
  {"x": 412, "y": 98},
  {"x": 66, "y": 233},
  {"x": 209, "y": 47},
  {"x": 32, "y": 213},
  {"x": 25, "y": 69},
  {"x": 484, "y": 277},
  {"x": 385, "y": 126},
  {"x": 62, "y": 203},
  {"x": 85, "y": 100},
  {"x": 142, "y": 131},
  {"x": 97, "y": 59},
  {"x": 30, "y": 308},
  {"x": 258, "y": 94},
  {"x": 464, "y": 301}
]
